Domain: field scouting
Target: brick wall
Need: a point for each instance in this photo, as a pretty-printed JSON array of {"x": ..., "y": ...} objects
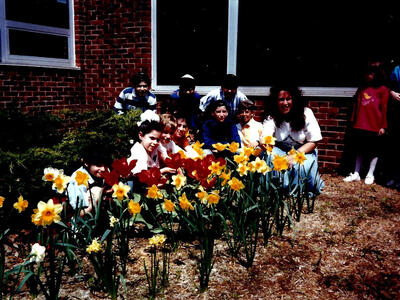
[{"x": 113, "y": 40}]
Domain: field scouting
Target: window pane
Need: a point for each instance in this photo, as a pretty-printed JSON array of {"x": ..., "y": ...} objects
[
  {"x": 191, "y": 38},
  {"x": 321, "y": 43},
  {"x": 53, "y": 13},
  {"x": 38, "y": 44}
]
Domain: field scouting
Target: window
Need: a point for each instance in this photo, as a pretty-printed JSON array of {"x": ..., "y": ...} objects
[
  {"x": 37, "y": 33},
  {"x": 323, "y": 44}
]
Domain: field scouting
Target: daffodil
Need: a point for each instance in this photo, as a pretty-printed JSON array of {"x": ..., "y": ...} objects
[
  {"x": 197, "y": 147},
  {"x": 241, "y": 158},
  {"x": 300, "y": 157},
  {"x": 251, "y": 167},
  {"x": 134, "y": 207},
  {"x": 280, "y": 163},
  {"x": 242, "y": 169},
  {"x": 220, "y": 147},
  {"x": 169, "y": 205},
  {"x": 47, "y": 213},
  {"x": 184, "y": 202},
  {"x": 60, "y": 182},
  {"x": 94, "y": 247},
  {"x": 120, "y": 191},
  {"x": 113, "y": 220},
  {"x": 259, "y": 164},
  {"x": 225, "y": 176},
  {"x": 292, "y": 151},
  {"x": 233, "y": 147},
  {"x": 2, "y": 201},
  {"x": 269, "y": 140},
  {"x": 81, "y": 178},
  {"x": 154, "y": 193},
  {"x": 179, "y": 181},
  {"x": 215, "y": 168},
  {"x": 235, "y": 184},
  {"x": 157, "y": 240},
  {"x": 248, "y": 151},
  {"x": 202, "y": 195},
  {"x": 21, "y": 204},
  {"x": 37, "y": 253},
  {"x": 213, "y": 198},
  {"x": 50, "y": 174},
  {"x": 257, "y": 151}
]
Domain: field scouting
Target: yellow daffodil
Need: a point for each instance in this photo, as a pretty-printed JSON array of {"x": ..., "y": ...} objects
[
  {"x": 47, "y": 213},
  {"x": 179, "y": 181},
  {"x": 202, "y": 195},
  {"x": 215, "y": 168},
  {"x": 225, "y": 176},
  {"x": 213, "y": 198},
  {"x": 251, "y": 167},
  {"x": 154, "y": 193},
  {"x": 94, "y": 247},
  {"x": 235, "y": 184},
  {"x": 157, "y": 240},
  {"x": 82, "y": 178},
  {"x": 269, "y": 140},
  {"x": 280, "y": 163},
  {"x": 60, "y": 182},
  {"x": 220, "y": 147},
  {"x": 197, "y": 147},
  {"x": 120, "y": 191},
  {"x": 300, "y": 157},
  {"x": 233, "y": 147},
  {"x": 240, "y": 158},
  {"x": 292, "y": 152},
  {"x": 259, "y": 164},
  {"x": 248, "y": 151},
  {"x": 242, "y": 169},
  {"x": 182, "y": 154},
  {"x": 113, "y": 220},
  {"x": 134, "y": 207},
  {"x": 169, "y": 205},
  {"x": 2, "y": 201},
  {"x": 184, "y": 202},
  {"x": 264, "y": 169},
  {"x": 33, "y": 217},
  {"x": 21, "y": 204},
  {"x": 50, "y": 174}
]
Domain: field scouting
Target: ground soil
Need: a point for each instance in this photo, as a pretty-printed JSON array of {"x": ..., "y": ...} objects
[{"x": 348, "y": 248}]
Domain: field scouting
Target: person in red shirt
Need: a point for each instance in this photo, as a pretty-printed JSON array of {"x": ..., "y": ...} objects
[{"x": 369, "y": 121}]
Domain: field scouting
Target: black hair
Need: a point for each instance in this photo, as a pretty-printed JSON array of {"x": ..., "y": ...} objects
[
  {"x": 230, "y": 81},
  {"x": 96, "y": 154},
  {"x": 214, "y": 105},
  {"x": 296, "y": 115},
  {"x": 246, "y": 104},
  {"x": 186, "y": 83},
  {"x": 139, "y": 77},
  {"x": 148, "y": 126}
]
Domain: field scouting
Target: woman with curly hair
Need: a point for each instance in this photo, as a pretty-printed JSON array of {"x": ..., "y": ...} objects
[{"x": 294, "y": 126}]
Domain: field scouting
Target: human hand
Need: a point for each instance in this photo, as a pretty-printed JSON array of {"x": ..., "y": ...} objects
[
  {"x": 381, "y": 131},
  {"x": 395, "y": 95},
  {"x": 167, "y": 170}
]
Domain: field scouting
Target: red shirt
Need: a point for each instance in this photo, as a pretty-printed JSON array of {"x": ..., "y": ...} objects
[{"x": 371, "y": 109}]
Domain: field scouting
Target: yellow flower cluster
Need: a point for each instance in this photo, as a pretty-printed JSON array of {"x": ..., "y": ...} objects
[
  {"x": 120, "y": 191},
  {"x": 208, "y": 198},
  {"x": 113, "y": 220},
  {"x": 154, "y": 193},
  {"x": 157, "y": 240},
  {"x": 58, "y": 178},
  {"x": 94, "y": 247}
]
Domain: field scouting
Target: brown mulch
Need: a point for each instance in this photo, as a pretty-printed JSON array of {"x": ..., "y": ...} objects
[{"x": 348, "y": 248}]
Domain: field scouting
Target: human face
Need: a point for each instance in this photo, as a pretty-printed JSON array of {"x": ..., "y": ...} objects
[
  {"x": 186, "y": 92},
  {"x": 150, "y": 140},
  {"x": 229, "y": 93},
  {"x": 165, "y": 138},
  {"x": 245, "y": 115},
  {"x": 181, "y": 128},
  {"x": 285, "y": 102},
  {"x": 141, "y": 89},
  {"x": 97, "y": 170},
  {"x": 220, "y": 114}
]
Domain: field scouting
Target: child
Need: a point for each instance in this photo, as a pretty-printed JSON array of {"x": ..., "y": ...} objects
[
  {"x": 369, "y": 121},
  {"x": 137, "y": 96},
  {"x": 180, "y": 136},
  {"x": 144, "y": 151},
  {"x": 85, "y": 195},
  {"x": 220, "y": 128},
  {"x": 167, "y": 146},
  {"x": 250, "y": 131}
]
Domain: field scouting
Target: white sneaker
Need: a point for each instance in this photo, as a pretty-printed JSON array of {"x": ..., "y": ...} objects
[
  {"x": 369, "y": 180},
  {"x": 352, "y": 177}
]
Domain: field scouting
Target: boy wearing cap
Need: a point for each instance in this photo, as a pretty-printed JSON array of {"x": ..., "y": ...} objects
[{"x": 228, "y": 92}]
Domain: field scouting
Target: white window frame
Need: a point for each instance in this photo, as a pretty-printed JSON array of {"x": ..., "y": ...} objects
[
  {"x": 233, "y": 21},
  {"x": 24, "y": 60}
]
